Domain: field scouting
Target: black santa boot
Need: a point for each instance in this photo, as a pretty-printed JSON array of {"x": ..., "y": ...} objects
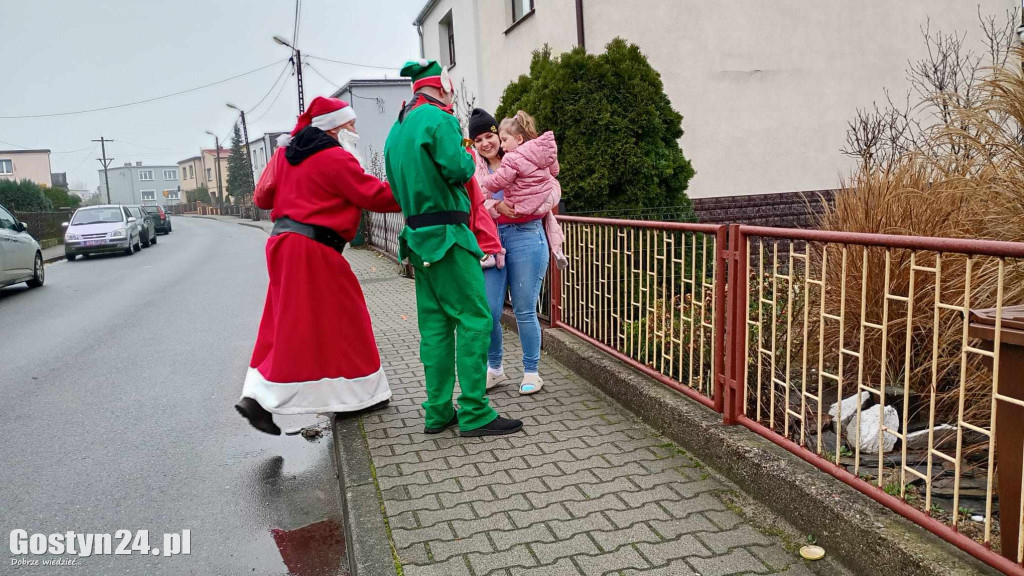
[{"x": 258, "y": 416}]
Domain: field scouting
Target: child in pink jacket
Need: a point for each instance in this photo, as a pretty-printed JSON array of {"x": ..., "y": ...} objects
[{"x": 528, "y": 174}]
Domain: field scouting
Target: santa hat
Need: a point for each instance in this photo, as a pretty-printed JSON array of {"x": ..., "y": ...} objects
[
  {"x": 323, "y": 113},
  {"x": 427, "y": 73}
]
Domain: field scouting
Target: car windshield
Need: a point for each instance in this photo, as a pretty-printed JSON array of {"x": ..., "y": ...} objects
[
  {"x": 151, "y": 209},
  {"x": 97, "y": 216}
]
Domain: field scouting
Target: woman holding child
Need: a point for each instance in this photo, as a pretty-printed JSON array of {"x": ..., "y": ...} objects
[{"x": 517, "y": 170}]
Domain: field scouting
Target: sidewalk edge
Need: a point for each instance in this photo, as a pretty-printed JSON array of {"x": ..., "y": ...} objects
[
  {"x": 865, "y": 536},
  {"x": 366, "y": 535}
]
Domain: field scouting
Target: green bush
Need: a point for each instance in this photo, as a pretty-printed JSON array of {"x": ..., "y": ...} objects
[
  {"x": 60, "y": 198},
  {"x": 616, "y": 129},
  {"x": 201, "y": 194},
  {"x": 24, "y": 196}
]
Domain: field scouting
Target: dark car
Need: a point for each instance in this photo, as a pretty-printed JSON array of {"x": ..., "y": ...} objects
[
  {"x": 160, "y": 217},
  {"x": 148, "y": 233}
]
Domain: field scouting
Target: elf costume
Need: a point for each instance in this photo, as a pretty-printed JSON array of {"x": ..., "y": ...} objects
[
  {"x": 315, "y": 351},
  {"x": 429, "y": 169}
]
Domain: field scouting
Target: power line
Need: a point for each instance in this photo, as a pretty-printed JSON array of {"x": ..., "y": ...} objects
[
  {"x": 310, "y": 66},
  {"x": 272, "y": 86},
  {"x": 51, "y": 152},
  {"x": 91, "y": 150},
  {"x": 357, "y": 64},
  {"x": 272, "y": 102},
  {"x": 155, "y": 98}
]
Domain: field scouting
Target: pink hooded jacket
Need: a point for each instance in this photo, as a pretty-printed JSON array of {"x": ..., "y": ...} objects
[{"x": 527, "y": 174}]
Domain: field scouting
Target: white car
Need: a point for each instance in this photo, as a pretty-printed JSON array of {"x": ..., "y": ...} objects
[
  {"x": 102, "y": 229},
  {"x": 21, "y": 258}
]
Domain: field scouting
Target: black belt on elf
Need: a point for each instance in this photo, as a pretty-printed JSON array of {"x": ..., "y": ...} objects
[
  {"x": 437, "y": 219},
  {"x": 321, "y": 234}
]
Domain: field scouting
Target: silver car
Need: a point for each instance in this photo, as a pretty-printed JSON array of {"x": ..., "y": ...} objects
[
  {"x": 102, "y": 229},
  {"x": 21, "y": 258}
]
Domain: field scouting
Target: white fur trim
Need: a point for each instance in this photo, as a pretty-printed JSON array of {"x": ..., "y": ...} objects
[
  {"x": 284, "y": 140},
  {"x": 316, "y": 396},
  {"x": 332, "y": 120}
]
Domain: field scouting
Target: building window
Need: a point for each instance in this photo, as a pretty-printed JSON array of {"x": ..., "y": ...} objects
[
  {"x": 521, "y": 9},
  {"x": 191, "y": 171},
  {"x": 148, "y": 195},
  {"x": 173, "y": 194},
  {"x": 209, "y": 174},
  {"x": 6, "y": 167},
  {"x": 170, "y": 174},
  {"x": 184, "y": 173},
  {"x": 145, "y": 175},
  {"x": 447, "y": 35}
]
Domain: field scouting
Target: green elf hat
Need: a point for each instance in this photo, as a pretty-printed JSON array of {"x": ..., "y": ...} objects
[{"x": 427, "y": 73}]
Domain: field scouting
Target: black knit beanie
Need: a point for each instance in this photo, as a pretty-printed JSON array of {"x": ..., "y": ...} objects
[{"x": 479, "y": 122}]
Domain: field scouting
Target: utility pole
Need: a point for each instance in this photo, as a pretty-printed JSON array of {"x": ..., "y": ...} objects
[
  {"x": 106, "y": 163},
  {"x": 248, "y": 156},
  {"x": 296, "y": 60},
  {"x": 220, "y": 184}
]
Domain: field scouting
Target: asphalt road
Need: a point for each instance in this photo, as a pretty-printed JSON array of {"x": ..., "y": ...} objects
[{"x": 117, "y": 381}]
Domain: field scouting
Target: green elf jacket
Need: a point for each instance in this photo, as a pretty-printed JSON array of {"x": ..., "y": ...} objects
[{"x": 428, "y": 168}]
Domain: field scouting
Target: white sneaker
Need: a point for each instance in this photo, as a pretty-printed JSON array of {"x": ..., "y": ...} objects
[
  {"x": 495, "y": 377},
  {"x": 532, "y": 383}
]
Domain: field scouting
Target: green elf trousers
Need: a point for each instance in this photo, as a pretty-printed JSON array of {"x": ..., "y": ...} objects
[{"x": 455, "y": 330}]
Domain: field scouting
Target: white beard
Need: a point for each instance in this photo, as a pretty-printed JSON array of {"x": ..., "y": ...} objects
[{"x": 349, "y": 141}]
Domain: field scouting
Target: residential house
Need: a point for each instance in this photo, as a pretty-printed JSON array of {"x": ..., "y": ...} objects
[
  {"x": 141, "y": 184},
  {"x": 201, "y": 170},
  {"x": 262, "y": 149},
  {"x": 59, "y": 180},
  {"x": 377, "y": 103},
  {"x": 765, "y": 88},
  {"x": 31, "y": 165}
]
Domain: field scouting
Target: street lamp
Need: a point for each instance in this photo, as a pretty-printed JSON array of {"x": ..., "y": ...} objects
[
  {"x": 248, "y": 153},
  {"x": 220, "y": 184},
  {"x": 296, "y": 60}
]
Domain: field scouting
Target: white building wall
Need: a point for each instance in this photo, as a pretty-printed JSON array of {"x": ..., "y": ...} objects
[
  {"x": 466, "y": 71},
  {"x": 765, "y": 88}
]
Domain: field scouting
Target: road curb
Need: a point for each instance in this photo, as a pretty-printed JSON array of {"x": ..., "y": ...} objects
[
  {"x": 53, "y": 259},
  {"x": 366, "y": 535},
  {"x": 863, "y": 535}
]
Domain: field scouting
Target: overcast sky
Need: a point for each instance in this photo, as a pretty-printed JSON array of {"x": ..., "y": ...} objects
[{"x": 67, "y": 55}]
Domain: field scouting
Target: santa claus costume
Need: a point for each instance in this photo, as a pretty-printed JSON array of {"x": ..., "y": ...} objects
[{"x": 315, "y": 351}]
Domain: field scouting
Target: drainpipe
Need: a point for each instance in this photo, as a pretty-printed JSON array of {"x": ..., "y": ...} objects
[
  {"x": 419, "y": 30},
  {"x": 580, "y": 40}
]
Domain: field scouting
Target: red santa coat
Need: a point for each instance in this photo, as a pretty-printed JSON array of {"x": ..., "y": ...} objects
[{"x": 315, "y": 351}]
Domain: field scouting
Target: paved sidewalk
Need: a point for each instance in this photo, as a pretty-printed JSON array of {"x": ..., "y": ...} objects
[
  {"x": 586, "y": 489},
  {"x": 265, "y": 225}
]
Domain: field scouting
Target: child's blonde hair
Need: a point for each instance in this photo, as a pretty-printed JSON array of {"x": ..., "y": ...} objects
[{"x": 522, "y": 124}]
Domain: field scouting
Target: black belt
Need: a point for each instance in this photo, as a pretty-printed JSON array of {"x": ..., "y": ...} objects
[
  {"x": 437, "y": 219},
  {"x": 321, "y": 234}
]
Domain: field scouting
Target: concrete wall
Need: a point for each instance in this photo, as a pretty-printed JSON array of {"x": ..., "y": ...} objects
[
  {"x": 31, "y": 165},
  {"x": 127, "y": 187},
  {"x": 765, "y": 88},
  {"x": 192, "y": 176}
]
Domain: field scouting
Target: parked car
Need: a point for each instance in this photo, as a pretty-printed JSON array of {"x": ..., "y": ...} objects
[
  {"x": 21, "y": 258},
  {"x": 148, "y": 233},
  {"x": 102, "y": 229},
  {"x": 161, "y": 218}
]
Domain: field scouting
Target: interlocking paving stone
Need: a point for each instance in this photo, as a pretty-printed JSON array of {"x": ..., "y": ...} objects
[{"x": 585, "y": 490}]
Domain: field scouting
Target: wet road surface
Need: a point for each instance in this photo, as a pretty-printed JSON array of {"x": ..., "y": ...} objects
[{"x": 118, "y": 379}]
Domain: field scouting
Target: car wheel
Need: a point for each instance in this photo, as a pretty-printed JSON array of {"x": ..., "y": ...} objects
[
  {"x": 146, "y": 243},
  {"x": 153, "y": 239},
  {"x": 138, "y": 243},
  {"x": 71, "y": 257},
  {"x": 38, "y": 273},
  {"x": 130, "y": 249}
]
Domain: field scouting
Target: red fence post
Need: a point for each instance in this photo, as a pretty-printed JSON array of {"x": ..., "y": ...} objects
[
  {"x": 736, "y": 327},
  {"x": 720, "y": 280},
  {"x": 555, "y": 291}
]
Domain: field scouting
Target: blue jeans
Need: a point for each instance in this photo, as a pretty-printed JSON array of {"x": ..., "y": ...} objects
[{"x": 526, "y": 263}]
